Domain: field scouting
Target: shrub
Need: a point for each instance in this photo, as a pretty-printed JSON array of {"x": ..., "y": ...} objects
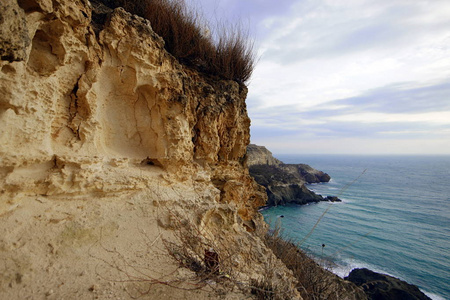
[
  {"x": 226, "y": 53},
  {"x": 266, "y": 289},
  {"x": 313, "y": 282}
]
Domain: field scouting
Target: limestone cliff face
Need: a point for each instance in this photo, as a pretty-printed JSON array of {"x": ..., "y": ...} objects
[
  {"x": 82, "y": 100},
  {"x": 120, "y": 168},
  {"x": 107, "y": 145}
]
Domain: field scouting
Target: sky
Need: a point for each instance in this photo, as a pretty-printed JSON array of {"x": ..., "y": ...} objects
[{"x": 346, "y": 76}]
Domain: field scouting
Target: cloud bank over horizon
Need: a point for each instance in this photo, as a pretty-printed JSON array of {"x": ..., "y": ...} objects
[{"x": 348, "y": 76}]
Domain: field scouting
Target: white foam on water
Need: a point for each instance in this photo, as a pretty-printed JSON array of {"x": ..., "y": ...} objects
[
  {"x": 433, "y": 296},
  {"x": 342, "y": 270}
]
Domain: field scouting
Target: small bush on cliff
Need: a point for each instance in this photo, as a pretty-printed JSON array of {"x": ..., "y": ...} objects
[
  {"x": 313, "y": 282},
  {"x": 228, "y": 53}
]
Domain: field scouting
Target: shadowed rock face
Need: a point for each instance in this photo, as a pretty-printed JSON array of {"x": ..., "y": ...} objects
[
  {"x": 284, "y": 183},
  {"x": 14, "y": 37},
  {"x": 384, "y": 287}
]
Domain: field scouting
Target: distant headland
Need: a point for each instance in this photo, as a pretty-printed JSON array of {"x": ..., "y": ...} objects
[{"x": 284, "y": 183}]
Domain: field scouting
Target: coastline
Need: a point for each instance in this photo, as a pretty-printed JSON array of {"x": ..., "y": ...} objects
[
  {"x": 418, "y": 199},
  {"x": 343, "y": 269},
  {"x": 287, "y": 185}
]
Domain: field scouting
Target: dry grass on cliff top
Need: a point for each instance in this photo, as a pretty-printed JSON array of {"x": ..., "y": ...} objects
[{"x": 226, "y": 52}]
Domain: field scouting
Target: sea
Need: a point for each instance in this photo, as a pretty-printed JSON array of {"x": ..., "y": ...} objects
[{"x": 394, "y": 217}]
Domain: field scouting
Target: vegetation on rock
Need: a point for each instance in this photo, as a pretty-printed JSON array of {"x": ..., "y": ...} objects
[
  {"x": 226, "y": 52},
  {"x": 313, "y": 280}
]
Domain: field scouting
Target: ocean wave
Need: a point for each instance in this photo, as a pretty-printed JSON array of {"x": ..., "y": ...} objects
[
  {"x": 433, "y": 296},
  {"x": 344, "y": 267},
  {"x": 401, "y": 215}
]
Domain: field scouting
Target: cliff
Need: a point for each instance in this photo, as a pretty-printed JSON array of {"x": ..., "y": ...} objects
[
  {"x": 259, "y": 155},
  {"x": 122, "y": 171},
  {"x": 284, "y": 183},
  {"x": 80, "y": 106},
  {"x": 105, "y": 136}
]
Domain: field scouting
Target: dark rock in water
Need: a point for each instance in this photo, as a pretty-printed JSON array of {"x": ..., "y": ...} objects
[
  {"x": 290, "y": 194},
  {"x": 384, "y": 287},
  {"x": 332, "y": 199},
  {"x": 310, "y": 174},
  {"x": 324, "y": 177},
  {"x": 284, "y": 183}
]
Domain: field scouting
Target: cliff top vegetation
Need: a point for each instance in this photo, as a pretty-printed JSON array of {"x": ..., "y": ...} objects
[{"x": 224, "y": 51}]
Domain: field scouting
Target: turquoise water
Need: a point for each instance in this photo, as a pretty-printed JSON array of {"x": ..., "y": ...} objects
[{"x": 394, "y": 219}]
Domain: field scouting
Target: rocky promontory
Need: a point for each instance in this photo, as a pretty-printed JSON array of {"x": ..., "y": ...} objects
[{"x": 284, "y": 183}]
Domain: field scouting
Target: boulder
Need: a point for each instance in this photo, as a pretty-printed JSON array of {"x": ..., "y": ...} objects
[
  {"x": 384, "y": 287},
  {"x": 332, "y": 199}
]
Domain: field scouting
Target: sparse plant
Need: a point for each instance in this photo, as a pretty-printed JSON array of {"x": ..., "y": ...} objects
[
  {"x": 224, "y": 51},
  {"x": 201, "y": 258},
  {"x": 266, "y": 289},
  {"x": 199, "y": 250},
  {"x": 313, "y": 281},
  {"x": 196, "y": 257}
]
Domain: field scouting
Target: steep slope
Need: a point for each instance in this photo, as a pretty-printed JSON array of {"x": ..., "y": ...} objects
[
  {"x": 122, "y": 172},
  {"x": 110, "y": 149},
  {"x": 117, "y": 98},
  {"x": 259, "y": 155}
]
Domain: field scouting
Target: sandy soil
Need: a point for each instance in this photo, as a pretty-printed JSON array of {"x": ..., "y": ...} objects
[{"x": 93, "y": 248}]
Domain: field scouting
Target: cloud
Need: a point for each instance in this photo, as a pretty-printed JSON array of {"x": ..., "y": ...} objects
[
  {"x": 324, "y": 29},
  {"x": 402, "y": 98},
  {"x": 322, "y": 51},
  {"x": 431, "y": 118},
  {"x": 342, "y": 71},
  {"x": 248, "y": 12},
  {"x": 400, "y": 111},
  {"x": 302, "y": 145}
]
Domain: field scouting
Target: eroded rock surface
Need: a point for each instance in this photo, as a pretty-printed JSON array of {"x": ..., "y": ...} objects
[
  {"x": 14, "y": 37},
  {"x": 108, "y": 146},
  {"x": 81, "y": 106},
  {"x": 120, "y": 167},
  {"x": 260, "y": 155}
]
